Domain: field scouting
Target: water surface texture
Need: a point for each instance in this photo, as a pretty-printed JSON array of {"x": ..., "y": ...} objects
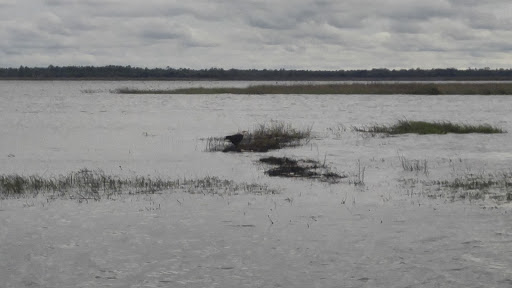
[{"x": 381, "y": 234}]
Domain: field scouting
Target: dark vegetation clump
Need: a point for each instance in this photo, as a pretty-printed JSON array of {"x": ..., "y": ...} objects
[
  {"x": 301, "y": 168},
  {"x": 265, "y": 137},
  {"x": 279, "y": 161},
  {"x": 423, "y": 127}
]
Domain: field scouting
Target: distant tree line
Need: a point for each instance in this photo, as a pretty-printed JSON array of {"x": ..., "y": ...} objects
[{"x": 113, "y": 72}]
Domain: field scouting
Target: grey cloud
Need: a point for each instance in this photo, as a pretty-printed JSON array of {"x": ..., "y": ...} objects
[
  {"x": 487, "y": 21},
  {"x": 7, "y": 3},
  {"x": 418, "y": 11},
  {"x": 161, "y": 34},
  {"x": 283, "y": 15},
  {"x": 346, "y": 20},
  {"x": 57, "y": 2},
  {"x": 52, "y": 24},
  {"x": 271, "y": 20},
  {"x": 409, "y": 28},
  {"x": 159, "y": 29},
  {"x": 256, "y": 33}
]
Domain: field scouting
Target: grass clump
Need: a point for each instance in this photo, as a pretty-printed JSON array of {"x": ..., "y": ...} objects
[
  {"x": 300, "y": 168},
  {"x": 275, "y": 135},
  {"x": 423, "y": 127},
  {"x": 265, "y": 137},
  {"x": 14, "y": 184}
]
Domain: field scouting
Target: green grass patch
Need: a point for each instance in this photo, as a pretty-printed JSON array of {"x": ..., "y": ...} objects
[
  {"x": 344, "y": 88},
  {"x": 264, "y": 137},
  {"x": 423, "y": 127}
]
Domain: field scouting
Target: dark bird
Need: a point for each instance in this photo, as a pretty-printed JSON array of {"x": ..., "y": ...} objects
[{"x": 236, "y": 138}]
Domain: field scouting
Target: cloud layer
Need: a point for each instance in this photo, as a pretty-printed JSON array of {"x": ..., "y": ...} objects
[{"x": 299, "y": 34}]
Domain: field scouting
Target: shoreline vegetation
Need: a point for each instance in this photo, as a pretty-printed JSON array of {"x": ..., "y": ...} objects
[
  {"x": 343, "y": 88},
  {"x": 117, "y": 72}
]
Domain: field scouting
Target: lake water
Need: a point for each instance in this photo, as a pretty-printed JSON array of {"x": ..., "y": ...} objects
[{"x": 311, "y": 234}]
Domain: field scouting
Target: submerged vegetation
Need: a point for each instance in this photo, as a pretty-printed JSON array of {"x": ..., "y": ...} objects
[
  {"x": 413, "y": 165},
  {"x": 497, "y": 186},
  {"x": 345, "y": 88},
  {"x": 423, "y": 127},
  {"x": 301, "y": 168},
  {"x": 267, "y": 136},
  {"x": 87, "y": 184}
]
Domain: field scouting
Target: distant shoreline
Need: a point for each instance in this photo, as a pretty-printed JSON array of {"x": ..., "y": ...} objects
[
  {"x": 129, "y": 73},
  {"x": 269, "y": 80}
]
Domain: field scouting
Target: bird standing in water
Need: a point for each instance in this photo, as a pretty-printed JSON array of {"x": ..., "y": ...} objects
[{"x": 236, "y": 138}]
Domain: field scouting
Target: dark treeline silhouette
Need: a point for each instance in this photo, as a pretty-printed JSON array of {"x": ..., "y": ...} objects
[{"x": 112, "y": 72}]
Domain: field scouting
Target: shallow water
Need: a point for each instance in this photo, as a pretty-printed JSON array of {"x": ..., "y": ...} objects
[{"x": 382, "y": 234}]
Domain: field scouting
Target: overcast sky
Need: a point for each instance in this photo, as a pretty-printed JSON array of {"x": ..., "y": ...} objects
[{"x": 292, "y": 34}]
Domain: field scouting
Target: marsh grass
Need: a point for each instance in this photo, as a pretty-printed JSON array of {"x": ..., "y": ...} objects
[
  {"x": 413, "y": 165},
  {"x": 90, "y": 91},
  {"x": 267, "y": 136},
  {"x": 275, "y": 135},
  {"x": 337, "y": 131},
  {"x": 95, "y": 185},
  {"x": 423, "y": 127},
  {"x": 300, "y": 168},
  {"x": 358, "y": 179},
  {"x": 215, "y": 144},
  {"x": 345, "y": 88},
  {"x": 470, "y": 186},
  {"x": 480, "y": 186}
]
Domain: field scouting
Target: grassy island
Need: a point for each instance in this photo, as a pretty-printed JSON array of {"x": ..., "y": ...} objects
[
  {"x": 423, "y": 127},
  {"x": 416, "y": 88}
]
